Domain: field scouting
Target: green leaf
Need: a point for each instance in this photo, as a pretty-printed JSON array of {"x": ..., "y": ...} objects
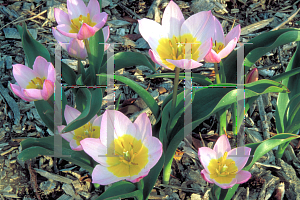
[
  {"x": 93, "y": 106},
  {"x": 148, "y": 99},
  {"x": 42, "y": 107},
  {"x": 198, "y": 78},
  {"x": 32, "y": 48},
  {"x": 97, "y": 50}
]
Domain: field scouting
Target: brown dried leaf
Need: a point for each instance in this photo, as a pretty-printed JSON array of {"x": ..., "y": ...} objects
[{"x": 133, "y": 36}]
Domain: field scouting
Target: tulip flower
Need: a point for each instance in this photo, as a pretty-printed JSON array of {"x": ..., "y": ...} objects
[
  {"x": 81, "y": 22},
  {"x": 75, "y": 47},
  {"x": 222, "y": 165},
  {"x": 252, "y": 76},
  {"x": 89, "y": 130},
  {"x": 136, "y": 150},
  {"x": 34, "y": 84},
  {"x": 167, "y": 41},
  {"x": 222, "y": 46}
]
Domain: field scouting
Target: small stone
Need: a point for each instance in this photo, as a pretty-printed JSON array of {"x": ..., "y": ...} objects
[
  {"x": 65, "y": 197},
  {"x": 155, "y": 94},
  {"x": 19, "y": 59},
  {"x": 136, "y": 29},
  {"x": 163, "y": 97},
  {"x": 12, "y": 33},
  {"x": 2, "y": 67},
  {"x": 8, "y": 189},
  {"x": 50, "y": 12},
  {"x": 26, "y": 6},
  {"x": 162, "y": 90},
  {"x": 48, "y": 186},
  {"x": 8, "y": 62},
  {"x": 121, "y": 31},
  {"x": 196, "y": 197},
  {"x": 16, "y": 6},
  {"x": 142, "y": 44},
  {"x": 117, "y": 23}
]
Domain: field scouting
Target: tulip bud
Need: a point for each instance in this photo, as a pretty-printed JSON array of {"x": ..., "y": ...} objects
[{"x": 252, "y": 76}]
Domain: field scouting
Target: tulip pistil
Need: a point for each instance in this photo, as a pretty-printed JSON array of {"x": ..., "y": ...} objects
[
  {"x": 86, "y": 131},
  {"x": 76, "y": 23},
  {"x": 36, "y": 83},
  {"x": 218, "y": 46}
]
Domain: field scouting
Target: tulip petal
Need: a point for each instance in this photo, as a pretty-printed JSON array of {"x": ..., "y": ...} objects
[
  {"x": 94, "y": 148},
  {"x": 100, "y": 20},
  {"x": 240, "y": 155},
  {"x": 172, "y": 19},
  {"x": 71, "y": 114},
  {"x": 23, "y": 74},
  {"x": 185, "y": 63},
  {"x": 77, "y": 49},
  {"x": 242, "y": 177},
  {"x": 234, "y": 33},
  {"x": 221, "y": 146},
  {"x": 76, "y": 8},
  {"x": 137, "y": 178},
  {"x": 218, "y": 32},
  {"x": 143, "y": 127},
  {"x": 228, "y": 49},
  {"x": 68, "y": 135},
  {"x": 60, "y": 128},
  {"x": 19, "y": 92},
  {"x": 40, "y": 66},
  {"x": 155, "y": 58},
  {"x": 65, "y": 30},
  {"x": 226, "y": 185},
  {"x": 35, "y": 94},
  {"x": 85, "y": 32},
  {"x": 51, "y": 72},
  {"x": 152, "y": 32},
  {"x": 61, "y": 17},
  {"x": 205, "y": 154},
  {"x": 102, "y": 176},
  {"x": 61, "y": 39},
  {"x": 93, "y": 8},
  {"x": 106, "y": 32},
  {"x": 154, "y": 151},
  {"x": 74, "y": 146},
  {"x": 206, "y": 176},
  {"x": 212, "y": 57},
  {"x": 48, "y": 89},
  {"x": 204, "y": 49}
]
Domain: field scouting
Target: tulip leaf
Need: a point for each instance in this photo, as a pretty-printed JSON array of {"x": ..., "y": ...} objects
[
  {"x": 198, "y": 78},
  {"x": 148, "y": 99},
  {"x": 32, "y": 48},
  {"x": 43, "y": 107},
  {"x": 63, "y": 106},
  {"x": 128, "y": 59},
  {"x": 96, "y": 43},
  {"x": 92, "y": 107},
  {"x": 34, "y": 147}
]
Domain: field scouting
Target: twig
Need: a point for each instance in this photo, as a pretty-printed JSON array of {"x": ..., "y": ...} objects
[
  {"x": 286, "y": 21},
  {"x": 33, "y": 179},
  {"x": 153, "y": 7},
  {"x": 33, "y": 13},
  {"x": 128, "y": 10},
  {"x": 263, "y": 117},
  {"x": 30, "y": 17}
]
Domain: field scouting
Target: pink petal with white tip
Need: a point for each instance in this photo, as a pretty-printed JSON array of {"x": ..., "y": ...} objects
[
  {"x": 221, "y": 146},
  {"x": 76, "y": 8},
  {"x": 212, "y": 57},
  {"x": 68, "y": 135},
  {"x": 85, "y": 32},
  {"x": 35, "y": 94},
  {"x": 93, "y": 8},
  {"x": 242, "y": 177},
  {"x": 204, "y": 49},
  {"x": 61, "y": 17},
  {"x": 76, "y": 49},
  {"x": 234, "y": 33},
  {"x": 218, "y": 32},
  {"x": 65, "y": 30},
  {"x": 40, "y": 66},
  {"x": 19, "y": 92},
  {"x": 228, "y": 49},
  {"x": 71, "y": 114},
  {"x": 100, "y": 20},
  {"x": 23, "y": 74},
  {"x": 106, "y": 176},
  {"x": 61, "y": 39},
  {"x": 206, "y": 176},
  {"x": 185, "y": 63},
  {"x": 240, "y": 156},
  {"x": 74, "y": 146},
  {"x": 205, "y": 154},
  {"x": 48, "y": 89}
]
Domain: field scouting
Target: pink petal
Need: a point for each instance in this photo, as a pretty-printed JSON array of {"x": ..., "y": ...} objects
[
  {"x": 85, "y": 32},
  {"x": 93, "y": 8},
  {"x": 74, "y": 146},
  {"x": 65, "y": 30},
  {"x": 23, "y": 74},
  {"x": 35, "y": 94},
  {"x": 218, "y": 32},
  {"x": 61, "y": 17},
  {"x": 94, "y": 148},
  {"x": 51, "y": 72},
  {"x": 243, "y": 154},
  {"x": 204, "y": 49},
  {"x": 234, "y": 33},
  {"x": 143, "y": 127},
  {"x": 76, "y": 49},
  {"x": 252, "y": 76},
  {"x": 155, "y": 58},
  {"x": 242, "y": 177},
  {"x": 226, "y": 185},
  {"x": 135, "y": 180},
  {"x": 19, "y": 92},
  {"x": 76, "y": 8},
  {"x": 185, "y": 63},
  {"x": 228, "y": 49},
  {"x": 40, "y": 66},
  {"x": 200, "y": 29},
  {"x": 61, "y": 39},
  {"x": 48, "y": 89},
  {"x": 154, "y": 151},
  {"x": 68, "y": 135},
  {"x": 71, "y": 114},
  {"x": 206, "y": 176},
  {"x": 106, "y": 32},
  {"x": 152, "y": 32},
  {"x": 102, "y": 176},
  {"x": 172, "y": 19},
  {"x": 221, "y": 146},
  {"x": 100, "y": 20},
  {"x": 205, "y": 154},
  {"x": 60, "y": 128},
  {"x": 212, "y": 57}
]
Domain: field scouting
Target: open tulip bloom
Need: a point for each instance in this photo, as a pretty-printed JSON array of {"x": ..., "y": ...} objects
[
  {"x": 136, "y": 151},
  {"x": 89, "y": 130},
  {"x": 75, "y": 47},
  {"x": 34, "y": 84},
  {"x": 222, "y": 46},
  {"x": 167, "y": 41},
  {"x": 81, "y": 22},
  {"x": 222, "y": 165}
]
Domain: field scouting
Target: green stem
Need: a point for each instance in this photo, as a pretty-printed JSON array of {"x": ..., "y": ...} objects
[
  {"x": 281, "y": 149},
  {"x": 222, "y": 121},
  {"x": 175, "y": 88},
  {"x": 167, "y": 171},
  {"x": 87, "y": 46},
  {"x": 78, "y": 65},
  {"x": 140, "y": 184},
  {"x": 218, "y": 81},
  {"x": 234, "y": 118},
  {"x": 50, "y": 103}
]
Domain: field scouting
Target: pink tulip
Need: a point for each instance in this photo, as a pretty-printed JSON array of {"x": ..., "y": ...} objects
[
  {"x": 222, "y": 165},
  {"x": 135, "y": 149},
  {"x": 167, "y": 41},
  {"x": 222, "y": 46},
  {"x": 81, "y": 22},
  {"x": 34, "y": 84},
  {"x": 75, "y": 47},
  {"x": 89, "y": 130},
  {"x": 252, "y": 76}
]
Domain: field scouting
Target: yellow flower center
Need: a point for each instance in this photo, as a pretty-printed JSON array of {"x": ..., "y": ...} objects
[
  {"x": 86, "y": 131},
  {"x": 218, "y": 46},
  {"x": 174, "y": 48},
  {"x": 222, "y": 170},
  {"x": 36, "y": 83},
  {"x": 77, "y": 23},
  {"x": 131, "y": 157}
]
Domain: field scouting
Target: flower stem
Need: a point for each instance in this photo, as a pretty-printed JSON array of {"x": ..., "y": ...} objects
[
  {"x": 218, "y": 81},
  {"x": 87, "y": 46},
  {"x": 50, "y": 103},
  {"x": 234, "y": 118},
  {"x": 167, "y": 171},
  {"x": 175, "y": 87},
  {"x": 78, "y": 66}
]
